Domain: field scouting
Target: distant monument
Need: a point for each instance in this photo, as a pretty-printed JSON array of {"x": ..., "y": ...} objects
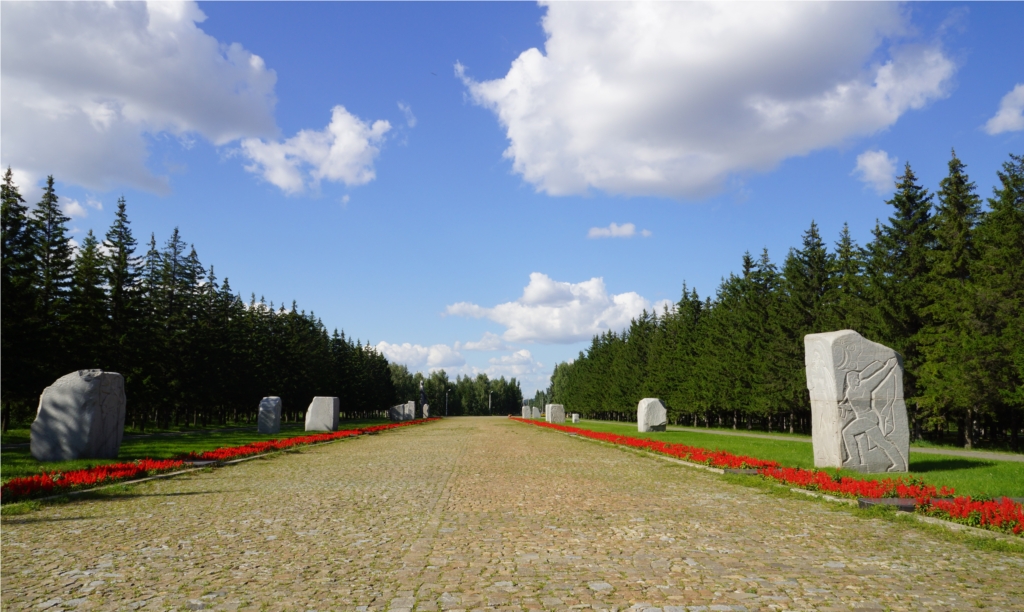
[
  {"x": 526, "y": 411},
  {"x": 80, "y": 416},
  {"x": 269, "y": 418},
  {"x": 651, "y": 415},
  {"x": 554, "y": 413},
  {"x": 575, "y": 417},
  {"x": 323, "y": 414},
  {"x": 534, "y": 412},
  {"x": 423, "y": 399},
  {"x": 858, "y": 416}
]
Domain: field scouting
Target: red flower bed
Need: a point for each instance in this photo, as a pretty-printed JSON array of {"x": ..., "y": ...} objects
[
  {"x": 1000, "y": 515},
  {"x": 693, "y": 454},
  {"x": 819, "y": 480},
  {"x": 56, "y": 481}
]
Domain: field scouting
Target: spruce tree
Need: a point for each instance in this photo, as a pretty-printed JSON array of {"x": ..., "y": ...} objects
[
  {"x": 19, "y": 373},
  {"x": 53, "y": 255},
  {"x": 897, "y": 271},
  {"x": 121, "y": 272},
  {"x": 87, "y": 313},
  {"x": 847, "y": 306},
  {"x": 951, "y": 369}
]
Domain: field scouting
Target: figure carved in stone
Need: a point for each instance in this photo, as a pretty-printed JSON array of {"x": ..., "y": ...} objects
[{"x": 859, "y": 418}]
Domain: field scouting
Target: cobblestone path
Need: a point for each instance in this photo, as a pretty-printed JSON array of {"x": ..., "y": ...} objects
[{"x": 478, "y": 513}]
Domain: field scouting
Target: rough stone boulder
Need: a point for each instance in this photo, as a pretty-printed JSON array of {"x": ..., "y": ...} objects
[
  {"x": 554, "y": 413},
  {"x": 80, "y": 416},
  {"x": 858, "y": 416},
  {"x": 651, "y": 415},
  {"x": 269, "y": 418},
  {"x": 323, "y": 414}
]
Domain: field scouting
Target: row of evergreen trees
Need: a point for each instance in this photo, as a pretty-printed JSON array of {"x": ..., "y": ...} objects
[
  {"x": 191, "y": 350},
  {"x": 465, "y": 395},
  {"x": 942, "y": 282}
]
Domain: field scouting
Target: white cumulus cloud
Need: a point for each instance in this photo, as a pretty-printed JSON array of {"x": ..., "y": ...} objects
[
  {"x": 84, "y": 84},
  {"x": 672, "y": 98},
  {"x": 342, "y": 152},
  {"x": 557, "y": 312},
  {"x": 877, "y": 169},
  {"x": 488, "y": 342},
  {"x": 614, "y": 230},
  {"x": 519, "y": 364},
  {"x": 418, "y": 356},
  {"x": 1010, "y": 117},
  {"x": 73, "y": 208}
]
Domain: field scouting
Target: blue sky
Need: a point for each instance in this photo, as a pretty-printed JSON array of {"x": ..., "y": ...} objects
[{"x": 482, "y": 186}]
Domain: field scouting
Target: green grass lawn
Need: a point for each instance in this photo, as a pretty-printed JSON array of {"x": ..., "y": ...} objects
[
  {"x": 968, "y": 476},
  {"x": 19, "y": 462}
]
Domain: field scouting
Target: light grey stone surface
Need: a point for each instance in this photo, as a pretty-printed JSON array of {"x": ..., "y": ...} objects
[
  {"x": 80, "y": 416},
  {"x": 554, "y": 413},
  {"x": 269, "y": 419},
  {"x": 397, "y": 412},
  {"x": 534, "y": 412},
  {"x": 858, "y": 415},
  {"x": 410, "y": 411},
  {"x": 575, "y": 418},
  {"x": 651, "y": 415},
  {"x": 526, "y": 411},
  {"x": 426, "y": 411},
  {"x": 323, "y": 414}
]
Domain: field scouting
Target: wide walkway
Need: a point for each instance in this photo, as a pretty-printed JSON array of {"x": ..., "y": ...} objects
[{"x": 480, "y": 513}]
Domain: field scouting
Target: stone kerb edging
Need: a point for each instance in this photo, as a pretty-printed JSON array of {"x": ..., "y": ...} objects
[
  {"x": 200, "y": 464},
  {"x": 951, "y": 525}
]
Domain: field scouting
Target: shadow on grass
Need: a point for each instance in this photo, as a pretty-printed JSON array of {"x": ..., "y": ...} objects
[{"x": 946, "y": 465}]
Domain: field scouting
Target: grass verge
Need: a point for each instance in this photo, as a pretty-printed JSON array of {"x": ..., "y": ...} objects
[
  {"x": 974, "y": 477},
  {"x": 19, "y": 462}
]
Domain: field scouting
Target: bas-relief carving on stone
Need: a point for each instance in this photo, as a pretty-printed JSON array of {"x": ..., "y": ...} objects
[
  {"x": 526, "y": 411},
  {"x": 535, "y": 412},
  {"x": 426, "y": 411},
  {"x": 651, "y": 415},
  {"x": 858, "y": 416},
  {"x": 323, "y": 414},
  {"x": 554, "y": 413},
  {"x": 80, "y": 416},
  {"x": 269, "y": 418}
]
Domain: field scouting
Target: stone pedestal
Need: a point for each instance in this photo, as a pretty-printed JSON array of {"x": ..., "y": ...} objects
[
  {"x": 534, "y": 412},
  {"x": 651, "y": 415},
  {"x": 554, "y": 413},
  {"x": 323, "y": 414},
  {"x": 858, "y": 416},
  {"x": 575, "y": 418},
  {"x": 80, "y": 416},
  {"x": 269, "y": 417}
]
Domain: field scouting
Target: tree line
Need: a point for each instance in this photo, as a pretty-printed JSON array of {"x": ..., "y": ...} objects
[
  {"x": 466, "y": 395},
  {"x": 941, "y": 282},
  {"x": 191, "y": 350}
]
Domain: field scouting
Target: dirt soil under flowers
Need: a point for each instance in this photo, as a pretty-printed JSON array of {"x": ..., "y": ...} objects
[{"x": 480, "y": 513}]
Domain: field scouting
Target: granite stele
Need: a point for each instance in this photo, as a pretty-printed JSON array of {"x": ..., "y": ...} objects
[
  {"x": 426, "y": 411},
  {"x": 858, "y": 417},
  {"x": 269, "y": 421},
  {"x": 554, "y": 413},
  {"x": 323, "y": 414},
  {"x": 526, "y": 411},
  {"x": 575, "y": 418},
  {"x": 80, "y": 416},
  {"x": 410, "y": 411},
  {"x": 651, "y": 415},
  {"x": 397, "y": 412},
  {"x": 535, "y": 412}
]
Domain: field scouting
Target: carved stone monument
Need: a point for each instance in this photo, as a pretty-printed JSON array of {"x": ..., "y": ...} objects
[
  {"x": 397, "y": 412},
  {"x": 322, "y": 414},
  {"x": 426, "y": 411},
  {"x": 534, "y": 412},
  {"x": 410, "y": 411},
  {"x": 575, "y": 418},
  {"x": 858, "y": 416},
  {"x": 526, "y": 411},
  {"x": 269, "y": 418},
  {"x": 80, "y": 416},
  {"x": 554, "y": 413},
  {"x": 651, "y": 415}
]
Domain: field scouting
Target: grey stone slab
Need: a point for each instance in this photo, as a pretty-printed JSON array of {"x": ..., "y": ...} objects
[
  {"x": 410, "y": 411},
  {"x": 535, "y": 412},
  {"x": 575, "y": 418},
  {"x": 651, "y": 415},
  {"x": 80, "y": 416},
  {"x": 858, "y": 415},
  {"x": 526, "y": 411},
  {"x": 426, "y": 411},
  {"x": 269, "y": 417},
  {"x": 554, "y": 413},
  {"x": 323, "y": 414},
  {"x": 397, "y": 413}
]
